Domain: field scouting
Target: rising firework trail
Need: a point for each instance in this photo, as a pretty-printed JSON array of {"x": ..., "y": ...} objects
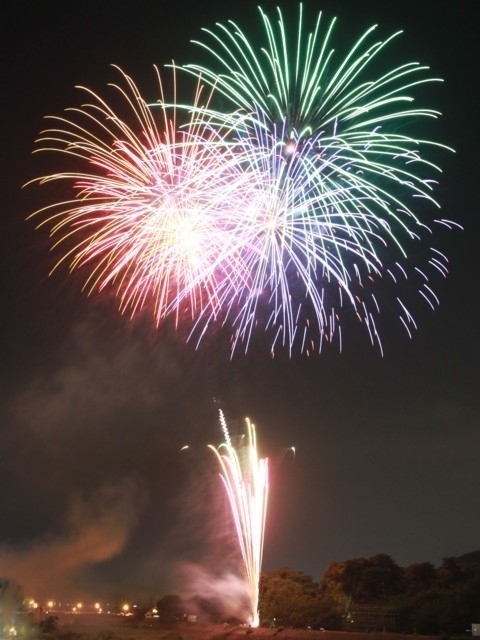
[{"x": 245, "y": 478}]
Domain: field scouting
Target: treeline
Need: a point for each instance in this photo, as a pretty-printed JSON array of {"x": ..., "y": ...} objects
[
  {"x": 364, "y": 594},
  {"x": 375, "y": 594}
]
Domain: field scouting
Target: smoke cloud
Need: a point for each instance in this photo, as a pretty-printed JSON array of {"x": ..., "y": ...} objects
[{"x": 97, "y": 529}]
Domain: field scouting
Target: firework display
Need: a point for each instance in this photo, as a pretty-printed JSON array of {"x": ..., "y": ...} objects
[
  {"x": 153, "y": 202},
  {"x": 245, "y": 478},
  {"x": 289, "y": 210},
  {"x": 347, "y": 185}
]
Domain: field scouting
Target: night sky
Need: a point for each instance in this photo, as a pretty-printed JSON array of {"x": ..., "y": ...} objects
[{"x": 96, "y": 497}]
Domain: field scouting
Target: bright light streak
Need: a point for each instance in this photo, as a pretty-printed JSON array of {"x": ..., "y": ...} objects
[{"x": 245, "y": 478}]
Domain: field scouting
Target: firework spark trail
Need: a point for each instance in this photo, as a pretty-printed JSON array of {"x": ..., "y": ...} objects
[
  {"x": 245, "y": 478},
  {"x": 291, "y": 235},
  {"x": 344, "y": 189},
  {"x": 154, "y": 207},
  {"x": 283, "y": 214}
]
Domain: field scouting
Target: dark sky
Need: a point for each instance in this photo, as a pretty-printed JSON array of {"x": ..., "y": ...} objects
[{"x": 96, "y": 499}]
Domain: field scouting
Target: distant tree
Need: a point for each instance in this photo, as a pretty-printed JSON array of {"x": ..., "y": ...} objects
[
  {"x": 170, "y": 607},
  {"x": 293, "y": 599},
  {"x": 445, "y": 600},
  {"x": 470, "y": 601},
  {"x": 334, "y": 583},
  {"x": 419, "y": 577},
  {"x": 363, "y": 580},
  {"x": 423, "y": 613},
  {"x": 450, "y": 573},
  {"x": 382, "y": 579}
]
